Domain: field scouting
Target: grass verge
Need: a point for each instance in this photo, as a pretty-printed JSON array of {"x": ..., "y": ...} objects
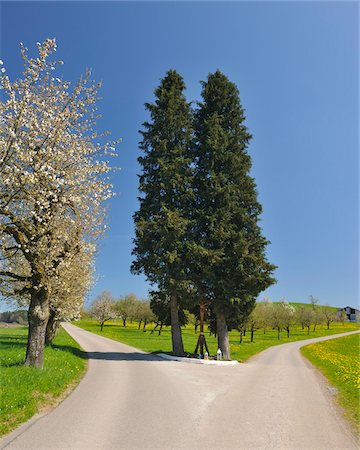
[
  {"x": 338, "y": 360},
  {"x": 25, "y": 390},
  {"x": 155, "y": 344}
]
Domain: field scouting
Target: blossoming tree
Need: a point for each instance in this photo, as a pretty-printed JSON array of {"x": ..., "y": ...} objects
[{"x": 53, "y": 182}]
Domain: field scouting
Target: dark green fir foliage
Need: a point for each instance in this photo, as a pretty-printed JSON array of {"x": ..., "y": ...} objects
[
  {"x": 231, "y": 263},
  {"x": 162, "y": 221}
]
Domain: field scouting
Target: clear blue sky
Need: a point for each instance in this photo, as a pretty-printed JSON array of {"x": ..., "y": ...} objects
[{"x": 296, "y": 65}]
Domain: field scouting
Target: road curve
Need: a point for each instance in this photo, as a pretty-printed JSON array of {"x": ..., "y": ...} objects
[{"x": 132, "y": 400}]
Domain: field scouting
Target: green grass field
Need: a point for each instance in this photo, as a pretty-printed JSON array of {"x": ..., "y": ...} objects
[
  {"x": 25, "y": 390},
  {"x": 338, "y": 359},
  {"x": 153, "y": 343}
]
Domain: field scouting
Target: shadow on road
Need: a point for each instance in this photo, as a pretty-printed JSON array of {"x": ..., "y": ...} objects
[
  {"x": 109, "y": 356},
  {"x": 121, "y": 356}
]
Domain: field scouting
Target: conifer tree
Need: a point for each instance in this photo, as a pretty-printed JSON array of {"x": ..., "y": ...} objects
[
  {"x": 229, "y": 261},
  {"x": 162, "y": 221}
]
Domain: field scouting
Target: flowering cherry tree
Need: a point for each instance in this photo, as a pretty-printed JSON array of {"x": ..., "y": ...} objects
[{"x": 53, "y": 184}]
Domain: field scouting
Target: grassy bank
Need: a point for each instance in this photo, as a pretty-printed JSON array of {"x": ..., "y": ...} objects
[
  {"x": 25, "y": 390},
  {"x": 338, "y": 360},
  {"x": 153, "y": 343}
]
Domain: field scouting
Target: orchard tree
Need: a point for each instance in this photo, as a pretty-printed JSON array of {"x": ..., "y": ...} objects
[
  {"x": 288, "y": 315},
  {"x": 263, "y": 312},
  {"x": 228, "y": 248},
  {"x": 276, "y": 317},
  {"x": 144, "y": 313},
  {"x": 52, "y": 182},
  {"x": 102, "y": 308},
  {"x": 341, "y": 316},
  {"x": 69, "y": 290},
  {"x": 162, "y": 221},
  {"x": 329, "y": 315},
  {"x": 126, "y": 307},
  {"x": 304, "y": 317}
]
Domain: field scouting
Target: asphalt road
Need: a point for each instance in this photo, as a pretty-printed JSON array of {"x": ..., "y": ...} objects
[{"x": 132, "y": 400}]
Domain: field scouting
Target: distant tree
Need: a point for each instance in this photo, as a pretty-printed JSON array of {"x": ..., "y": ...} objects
[
  {"x": 19, "y": 316},
  {"x": 329, "y": 315},
  {"x": 144, "y": 314},
  {"x": 317, "y": 317},
  {"x": 304, "y": 317},
  {"x": 255, "y": 320},
  {"x": 228, "y": 255},
  {"x": 288, "y": 315},
  {"x": 159, "y": 303},
  {"x": 276, "y": 317},
  {"x": 126, "y": 307},
  {"x": 342, "y": 316},
  {"x": 263, "y": 313},
  {"x": 103, "y": 308},
  {"x": 162, "y": 221},
  {"x": 314, "y": 302}
]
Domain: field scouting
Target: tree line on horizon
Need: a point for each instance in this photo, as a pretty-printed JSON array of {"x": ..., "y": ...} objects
[
  {"x": 198, "y": 239},
  {"x": 279, "y": 316}
]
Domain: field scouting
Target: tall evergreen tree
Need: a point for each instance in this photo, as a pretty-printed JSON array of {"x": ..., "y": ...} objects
[
  {"x": 229, "y": 261},
  {"x": 162, "y": 222}
]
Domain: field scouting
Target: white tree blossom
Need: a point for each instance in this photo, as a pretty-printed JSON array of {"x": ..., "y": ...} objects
[{"x": 53, "y": 182}]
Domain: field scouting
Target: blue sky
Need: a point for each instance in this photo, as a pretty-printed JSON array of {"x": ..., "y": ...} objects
[{"x": 296, "y": 66}]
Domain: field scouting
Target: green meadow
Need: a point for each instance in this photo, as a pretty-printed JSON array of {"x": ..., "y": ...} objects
[
  {"x": 26, "y": 390},
  {"x": 154, "y": 343},
  {"x": 338, "y": 359}
]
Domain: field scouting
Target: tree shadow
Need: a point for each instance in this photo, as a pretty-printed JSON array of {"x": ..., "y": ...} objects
[{"x": 108, "y": 356}]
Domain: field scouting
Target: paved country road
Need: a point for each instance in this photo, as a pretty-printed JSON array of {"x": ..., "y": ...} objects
[{"x": 132, "y": 400}]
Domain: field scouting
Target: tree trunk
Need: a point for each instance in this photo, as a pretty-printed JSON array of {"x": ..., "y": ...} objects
[
  {"x": 308, "y": 329},
  {"x": 176, "y": 336},
  {"x": 124, "y": 322},
  {"x": 328, "y": 325},
  {"x": 52, "y": 327},
  {"x": 144, "y": 327},
  {"x": 278, "y": 333},
  {"x": 157, "y": 325},
  {"x": 160, "y": 329},
  {"x": 223, "y": 336},
  {"x": 252, "y": 335},
  {"x": 241, "y": 336},
  {"x": 288, "y": 331},
  {"x": 139, "y": 325},
  {"x": 38, "y": 316},
  {"x": 101, "y": 326}
]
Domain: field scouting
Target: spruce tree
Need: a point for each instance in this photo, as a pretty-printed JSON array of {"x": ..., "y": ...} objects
[
  {"x": 162, "y": 221},
  {"x": 229, "y": 261}
]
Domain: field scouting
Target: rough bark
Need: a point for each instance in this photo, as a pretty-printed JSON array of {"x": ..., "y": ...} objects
[
  {"x": 38, "y": 316},
  {"x": 176, "y": 336},
  {"x": 52, "y": 327},
  {"x": 223, "y": 335}
]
